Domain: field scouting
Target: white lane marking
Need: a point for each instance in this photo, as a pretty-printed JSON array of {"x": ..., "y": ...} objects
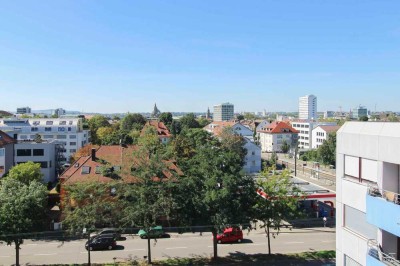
[
  {"x": 31, "y": 244},
  {"x": 177, "y": 248},
  {"x": 5, "y": 256},
  {"x": 138, "y": 249},
  {"x": 51, "y": 254},
  {"x": 294, "y": 242},
  {"x": 328, "y": 241},
  {"x": 256, "y": 244}
]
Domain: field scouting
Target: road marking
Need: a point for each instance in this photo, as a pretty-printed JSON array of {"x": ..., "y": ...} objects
[
  {"x": 5, "y": 256},
  {"x": 328, "y": 241},
  {"x": 177, "y": 248},
  {"x": 138, "y": 249},
  {"x": 51, "y": 254},
  {"x": 294, "y": 242},
  {"x": 31, "y": 244},
  {"x": 255, "y": 244}
]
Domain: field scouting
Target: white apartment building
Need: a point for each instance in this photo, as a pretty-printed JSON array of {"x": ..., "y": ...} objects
[
  {"x": 272, "y": 136},
  {"x": 321, "y": 133},
  {"x": 367, "y": 194},
  {"x": 305, "y": 128},
  {"x": 223, "y": 112},
  {"x": 67, "y": 131},
  {"x": 308, "y": 107}
]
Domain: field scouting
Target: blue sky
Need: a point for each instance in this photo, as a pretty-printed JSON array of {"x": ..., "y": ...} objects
[{"x": 120, "y": 56}]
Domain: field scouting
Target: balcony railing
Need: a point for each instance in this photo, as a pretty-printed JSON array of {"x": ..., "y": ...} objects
[
  {"x": 385, "y": 194},
  {"x": 375, "y": 251}
]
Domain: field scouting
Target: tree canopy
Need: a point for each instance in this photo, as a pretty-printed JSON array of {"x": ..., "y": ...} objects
[
  {"x": 133, "y": 121},
  {"x": 26, "y": 172}
]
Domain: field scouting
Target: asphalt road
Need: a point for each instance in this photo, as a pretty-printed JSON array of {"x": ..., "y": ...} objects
[{"x": 186, "y": 245}]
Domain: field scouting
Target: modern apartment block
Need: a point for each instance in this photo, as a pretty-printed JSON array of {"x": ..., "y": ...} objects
[
  {"x": 322, "y": 133},
  {"x": 308, "y": 107},
  {"x": 24, "y": 110},
  {"x": 67, "y": 131},
  {"x": 359, "y": 112},
  {"x": 367, "y": 194},
  {"x": 305, "y": 128},
  {"x": 274, "y": 135},
  {"x": 6, "y": 152},
  {"x": 223, "y": 112}
]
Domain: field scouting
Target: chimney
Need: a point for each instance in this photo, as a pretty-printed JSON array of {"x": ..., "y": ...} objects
[{"x": 93, "y": 154}]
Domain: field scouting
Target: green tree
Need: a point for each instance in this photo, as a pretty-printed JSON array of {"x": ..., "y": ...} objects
[
  {"x": 279, "y": 203},
  {"x": 133, "y": 121},
  {"x": 176, "y": 128},
  {"x": 240, "y": 117},
  {"x": 249, "y": 116},
  {"x": 233, "y": 142},
  {"x": 22, "y": 210},
  {"x": 26, "y": 173},
  {"x": 285, "y": 146},
  {"x": 103, "y": 133},
  {"x": 189, "y": 121},
  {"x": 363, "y": 118},
  {"x": 166, "y": 118},
  {"x": 94, "y": 124},
  {"x": 327, "y": 151},
  {"x": 203, "y": 122}
]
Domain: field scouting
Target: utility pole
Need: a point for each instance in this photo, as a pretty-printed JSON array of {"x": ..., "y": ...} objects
[{"x": 88, "y": 235}]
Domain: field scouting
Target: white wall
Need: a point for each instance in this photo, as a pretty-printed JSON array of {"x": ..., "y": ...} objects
[{"x": 354, "y": 195}]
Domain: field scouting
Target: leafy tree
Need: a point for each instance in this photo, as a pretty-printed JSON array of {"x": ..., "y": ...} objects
[
  {"x": 175, "y": 128},
  {"x": 133, "y": 121},
  {"x": 22, "y": 210},
  {"x": 26, "y": 172},
  {"x": 273, "y": 160},
  {"x": 92, "y": 205},
  {"x": 166, "y": 118},
  {"x": 327, "y": 151},
  {"x": 94, "y": 124},
  {"x": 249, "y": 116},
  {"x": 363, "y": 118},
  {"x": 149, "y": 140},
  {"x": 285, "y": 146},
  {"x": 280, "y": 203},
  {"x": 392, "y": 118},
  {"x": 103, "y": 133},
  {"x": 189, "y": 121},
  {"x": 203, "y": 122},
  {"x": 233, "y": 142},
  {"x": 240, "y": 117}
]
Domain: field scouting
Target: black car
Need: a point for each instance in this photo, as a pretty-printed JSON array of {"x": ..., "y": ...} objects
[{"x": 101, "y": 242}]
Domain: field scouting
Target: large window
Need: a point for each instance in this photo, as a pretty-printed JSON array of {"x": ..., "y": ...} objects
[
  {"x": 356, "y": 221},
  {"x": 38, "y": 152},
  {"x": 61, "y": 136},
  {"x": 24, "y": 152},
  {"x": 2, "y": 152},
  {"x": 42, "y": 164}
]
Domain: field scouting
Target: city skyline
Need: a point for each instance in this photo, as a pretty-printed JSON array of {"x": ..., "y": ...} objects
[{"x": 187, "y": 56}]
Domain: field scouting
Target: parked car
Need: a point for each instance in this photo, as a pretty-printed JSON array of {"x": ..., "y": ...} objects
[
  {"x": 107, "y": 232},
  {"x": 231, "y": 234},
  {"x": 154, "y": 232},
  {"x": 101, "y": 242}
]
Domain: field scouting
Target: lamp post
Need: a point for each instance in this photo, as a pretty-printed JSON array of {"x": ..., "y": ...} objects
[{"x": 88, "y": 234}]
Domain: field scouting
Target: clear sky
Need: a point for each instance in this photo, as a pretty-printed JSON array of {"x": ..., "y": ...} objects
[{"x": 187, "y": 55}]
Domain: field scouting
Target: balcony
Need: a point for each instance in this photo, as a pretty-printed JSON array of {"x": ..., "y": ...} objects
[
  {"x": 383, "y": 210},
  {"x": 376, "y": 257}
]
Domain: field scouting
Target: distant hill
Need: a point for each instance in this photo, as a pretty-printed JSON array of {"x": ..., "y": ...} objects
[{"x": 5, "y": 114}]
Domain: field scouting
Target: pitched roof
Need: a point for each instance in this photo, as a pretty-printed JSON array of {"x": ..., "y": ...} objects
[
  {"x": 86, "y": 169},
  {"x": 330, "y": 129},
  {"x": 162, "y": 130},
  {"x": 216, "y": 127},
  {"x": 6, "y": 139},
  {"x": 278, "y": 128}
]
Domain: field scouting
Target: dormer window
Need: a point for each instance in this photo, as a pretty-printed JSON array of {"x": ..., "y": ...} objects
[
  {"x": 63, "y": 123},
  {"x": 85, "y": 170}
]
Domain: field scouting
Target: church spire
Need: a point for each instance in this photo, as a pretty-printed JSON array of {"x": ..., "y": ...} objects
[{"x": 155, "y": 112}]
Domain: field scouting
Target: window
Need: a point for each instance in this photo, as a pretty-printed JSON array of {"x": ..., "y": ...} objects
[
  {"x": 61, "y": 136},
  {"x": 38, "y": 152},
  {"x": 24, "y": 152},
  {"x": 49, "y": 123},
  {"x": 42, "y": 164},
  {"x": 72, "y": 150},
  {"x": 70, "y": 122},
  {"x": 72, "y": 143},
  {"x": 61, "y": 129},
  {"x": 34, "y": 129},
  {"x": 85, "y": 170},
  {"x": 47, "y": 136},
  {"x": 69, "y": 128},
  {"x": 63, "y": 123},
  {"x": 47, "y": 129},
  {"x": 253, "y": 153},
  {"x": 2, "y": 152},
  {"x": 356, "y": 221},
  {"x": 35, "y": 123},
  {"x": 72, "y": 136},
  {"x": 98, "y": 169}
]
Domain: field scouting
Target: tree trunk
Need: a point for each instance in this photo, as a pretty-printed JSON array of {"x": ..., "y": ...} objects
[
  {"x": 215, "y": 244},
  {"x": 17, "y": 244},
  {"x": 269, "y": 240},
  {"x": 148, "y": 250}
]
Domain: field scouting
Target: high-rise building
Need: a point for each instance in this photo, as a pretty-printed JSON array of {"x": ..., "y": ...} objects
[
  {"x": 24, "y": 110},
  {"x": 308, "y": 107},
  {"x": 368, "y": 194},
  {"x": 223, "y": 112},
  {"x": 359, "y": 112}
]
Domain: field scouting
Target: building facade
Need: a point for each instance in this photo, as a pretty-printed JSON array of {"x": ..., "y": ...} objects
[
  {"x": 24, "y": 110},
  {"x": 6, "y": 153},
  {"x": 272, "y": 136},
  {"x": 367, "y": 189},
  {"x": 320, "y": 134},
  {"x": 223, "y": 112},
  {"x": 308, "y": 107},
  {"x": 359, "y": 112},
  {"x": 305, "y": 128},
  {"x": 68, "y": 131}
]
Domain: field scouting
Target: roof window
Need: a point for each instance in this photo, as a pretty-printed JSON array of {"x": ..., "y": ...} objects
[{"x": 85, "y": 170}]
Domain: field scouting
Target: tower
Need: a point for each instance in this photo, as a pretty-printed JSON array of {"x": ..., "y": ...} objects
[
  {"x": 308, "y": 107},
  {"x": 156, "y": 112}
]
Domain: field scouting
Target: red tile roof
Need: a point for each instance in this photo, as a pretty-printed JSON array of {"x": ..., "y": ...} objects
[
  {"x": 6, "y": 139},
  {"x": 114, "y": 155},
  {"x": 278, "y": 128},
  {"x": 216, "y": 127},
  {"x": 162, "y": 130}
]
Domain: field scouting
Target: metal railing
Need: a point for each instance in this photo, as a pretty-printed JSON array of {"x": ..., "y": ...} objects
[{"x": 375, "y": 251}]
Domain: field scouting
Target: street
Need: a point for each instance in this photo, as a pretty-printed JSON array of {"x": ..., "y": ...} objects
[{"x": 186, "y": 245}]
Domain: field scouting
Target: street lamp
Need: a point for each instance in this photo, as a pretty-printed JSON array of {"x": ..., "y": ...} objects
[{"x": 88, "y": 234}]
